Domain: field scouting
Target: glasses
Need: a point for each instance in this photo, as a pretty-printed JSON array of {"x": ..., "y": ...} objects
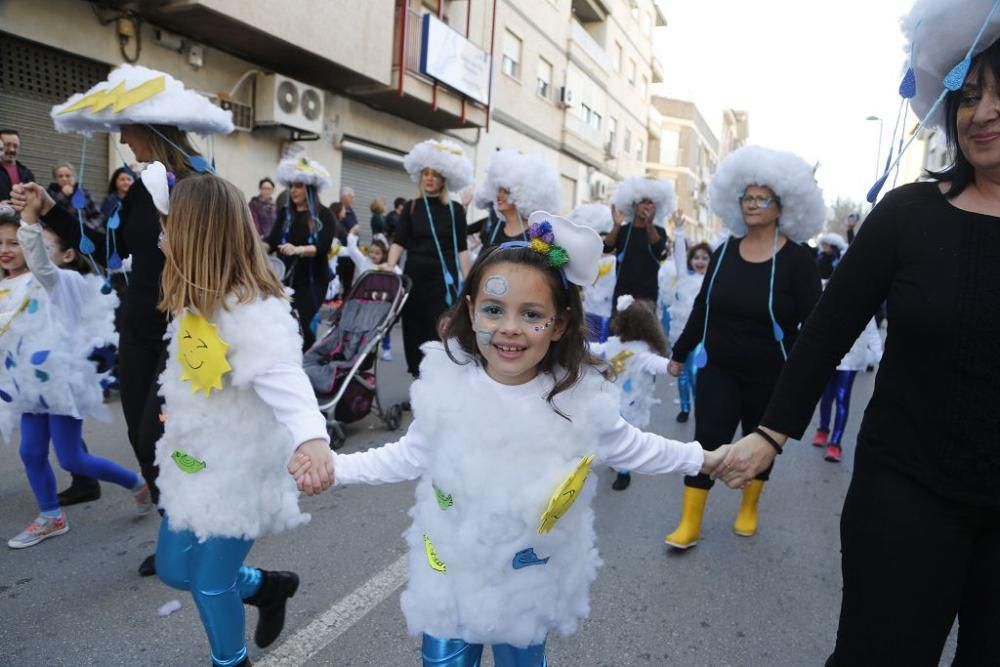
[{"x": 761, "y": 202}]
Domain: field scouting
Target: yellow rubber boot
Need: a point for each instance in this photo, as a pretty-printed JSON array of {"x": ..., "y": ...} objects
[
  {"x": 746, "y": 518},
  {"x": 687, "y": 533}
]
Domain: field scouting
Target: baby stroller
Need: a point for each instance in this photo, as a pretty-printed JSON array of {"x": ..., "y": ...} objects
[{"x": 342, "y": 365}]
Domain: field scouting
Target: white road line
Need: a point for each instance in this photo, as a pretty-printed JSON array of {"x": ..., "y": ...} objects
[{"x": 336, "y": 620}]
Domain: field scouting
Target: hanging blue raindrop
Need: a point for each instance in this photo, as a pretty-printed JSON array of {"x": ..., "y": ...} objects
[
  {"x": 9, "y": 362},
  {"x": 106, "y": 288},
  {"x": 38, "y": 358},
  {"x": 114, "y": 262},
  {"x": 87, "y": 246},
  {"x": 79, "y": 200},
  {"x": 908, "y": 86},
  {"x": 114, "y": 222},
  {"x": 877, "y": 188},
  {"x": 779, "y": 335},
  {"x": 700, "y": 356},
  {"x": 627, "y": 387},
  {"x": 198, "y": 163},
  {"x": 32, "y": 309},
  {"x": 956, "y": 77}
]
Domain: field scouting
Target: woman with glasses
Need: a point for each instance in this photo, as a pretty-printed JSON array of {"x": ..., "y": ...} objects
[{"x": 759, "y": 287}]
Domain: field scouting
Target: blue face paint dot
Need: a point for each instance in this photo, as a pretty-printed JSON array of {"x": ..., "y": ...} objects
[
  {"x": 79, "y": 200},
  {"x": 87, "y": 246},
  {"x": 32, "y": 309},
  {"x": 41, "y": 375},
  {"x": 114, "y": 222},
  {"x": 38, "y": 358},
  {"x": 5, "y": 397}
]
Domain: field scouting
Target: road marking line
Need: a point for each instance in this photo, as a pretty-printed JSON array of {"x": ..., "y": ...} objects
[{"x": 336, "y": 620}]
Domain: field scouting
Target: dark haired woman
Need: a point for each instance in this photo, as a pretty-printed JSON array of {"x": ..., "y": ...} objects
[{"x": 263, "y": 208}]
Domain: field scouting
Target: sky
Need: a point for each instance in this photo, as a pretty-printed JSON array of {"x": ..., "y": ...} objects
[{"x": 808, "y": 71}]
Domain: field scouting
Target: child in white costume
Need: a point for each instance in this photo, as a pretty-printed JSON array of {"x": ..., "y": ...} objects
[
  {"x": 502, "y": 545},
  {"x": 50, "y": 322},
  {"x": 597, "y": 296},
  {"x": 636, "y": 354},
  {"x": 237, "y": 405}
]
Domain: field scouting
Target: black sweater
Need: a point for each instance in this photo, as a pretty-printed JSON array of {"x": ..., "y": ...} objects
[
  {"x": 297, "y": 233},
  {"x": 414, "y": 233},
  {"x": 935, "y": 412},
  {"x": 638, "y": 268},
  {"x": 740, "y": 332}
]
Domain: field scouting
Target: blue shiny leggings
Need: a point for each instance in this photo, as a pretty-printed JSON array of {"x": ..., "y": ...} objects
[
  {"x": 458, "y": 653},
  {"x": 65, "y": 433},
  {"x": 839, "y": 390},
  {"x": 214, "y": 574},
  {"x": 686, "y": 383},
  {"x": 597, "y": 328}
]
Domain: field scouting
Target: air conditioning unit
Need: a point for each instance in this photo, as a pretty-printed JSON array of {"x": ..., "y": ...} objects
[
  {"x": 242, "y": 113},
  {"x": 598, "y": 190},
  {"x": 286, "y": 102},
  {"x": 565, "y": 97}
]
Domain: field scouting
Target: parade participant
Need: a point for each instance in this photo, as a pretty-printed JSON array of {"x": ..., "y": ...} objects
[
  {"x": 597, "y": 297},
  {"x": 641, "y": 204},
  {"x": 851, "y": 223},
  {"x": 502, "y": 545},
  {"x": 62, "y": 188},
  {"x": 690, "y": 265},
  {"x": 154, "y": 112},
  {"x": 302, "y": 237},
  {"x": 920, "y": 529},
  {"x": 831, "y": 247},
  {"x": 432, "y": 231},
  {"x": 237, "y": 405},
  {"x": 517, "y": 185},
  {"x": 761, "y": 285},
  {"x": 53, "y": 319},
  {"x": 636, "y": 354}
]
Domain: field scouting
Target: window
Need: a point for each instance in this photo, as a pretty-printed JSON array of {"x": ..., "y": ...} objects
[
  {"x": 511, "y": 65},
  {"x": 639, "y": 148},
  {"x": 544, "y": 78},
  {"x": 631, "y": 72},
  {"x": 618, "y": 54},
  {"x": 643, "y": 86},
  {"x": 595, "y": 120},
  {"x": 612, "y": 132},
  {"x": 627, "y": 144}
]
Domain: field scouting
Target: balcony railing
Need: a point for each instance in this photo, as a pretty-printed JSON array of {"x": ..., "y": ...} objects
[{"x": 590, "y": 46}]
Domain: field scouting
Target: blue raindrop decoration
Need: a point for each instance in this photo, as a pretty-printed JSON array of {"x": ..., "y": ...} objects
[
  {"x": 9, "y": 362},
  {"x": 41, "y": 375},
  {"x": 877, "y": 188},
  {"x": 627, "y": 387},
  {"x": 32, "y": 309},
  {"x": 79, "y": 200},
  {"x": 956, "y": 77},
  {"x": 5, "y": 397},
  {"x": 38, "y": 358},
  {"x": 198, "y": 163},
  {"x": 106, "y": 288},
  {"x": 115, "y": 262},
  {"x": 87, "y": 246},
  {"x": 908, "y": 86},
  {"x": 779, "y": 335},
  {"x": 115, "y": 221},
  {"x": 700, "y": 356}
]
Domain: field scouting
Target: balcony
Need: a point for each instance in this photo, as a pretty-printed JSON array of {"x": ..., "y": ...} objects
[
  {"x": 659, "y": 74},
  {"x": 581, "y": 40},
  {"x": 590, "y": 10}
]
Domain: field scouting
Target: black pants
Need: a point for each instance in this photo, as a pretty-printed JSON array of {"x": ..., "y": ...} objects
[
  {"x": 308, "y": 300},
  {"x": 420, "y": 320},
  {"x": 725, "y": 399},
  {"x": 141, "y": 361},
  {"x": 913, "y": 561}
]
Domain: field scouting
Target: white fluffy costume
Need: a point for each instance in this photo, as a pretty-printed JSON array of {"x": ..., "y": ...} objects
[
  {"x": 532, "y": 182},
  {"x": 636, "y": 366},
  {"x": 51, "y": 321},
  {"x": 597, "y": 296},
  {"x": 803, "y": 211},
  {"x": 480, "y": 568},
  {"x": 445, "y": 157},
  {"x": 223, "y": 455},
  {"x": 835, "y": 240},
  {"x": 633, "y": 190},
  {"x": 300, "y": 169},
  {"x": 136, "y": 95}
]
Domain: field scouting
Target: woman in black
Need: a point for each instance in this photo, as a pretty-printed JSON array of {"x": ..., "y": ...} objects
[
  {"x": 432, "y": 231},
  {"x": 302, "y": 237},
  {"x": 761, "y": 284},
  {"x": 516, "y": 185},
  {"x": 920, "y": 529},
  {"x": 637, "y": 237}
]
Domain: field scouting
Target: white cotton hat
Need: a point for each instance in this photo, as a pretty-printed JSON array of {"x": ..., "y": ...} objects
[
  {"x": 595, "y": 216},
  {"x": 157, "y": 183},
  {"x": 532, "y": 182},
  {"x": 633, "y": 190},
  {"x": 803, "y": 211},
  {"x": 939, "y": 35},
  {"x": 300, "y": 169},
  {"x": 135, "y": 95},
  {"x": 445, "y": 157},
  {"x": 836, "y": 240},
  {"x": 582, "y": 245}
]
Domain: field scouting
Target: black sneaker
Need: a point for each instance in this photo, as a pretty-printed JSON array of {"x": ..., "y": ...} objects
[
  {"x": 682, "y": 416},
  {"x": 621, "y": 481},
  {"x": 148, "y": 567},
  {"x": 80, "y": 490}
]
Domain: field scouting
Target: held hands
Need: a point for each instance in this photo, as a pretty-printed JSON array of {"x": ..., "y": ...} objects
[
  {"x": 675, "y": 368},
  {"x": 312, "y": 467},
  {"x": 714, "y": 459},
  {"x": 745, "y": 459},
  {"x": 31, "y": 201}
]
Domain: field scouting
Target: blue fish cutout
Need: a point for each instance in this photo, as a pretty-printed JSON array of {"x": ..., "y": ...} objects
[
  {"x": 627, "y": 387},
  {"x": 38, "y": 358},
  {"x": 32, "y": 309},
  {"x": 5, "y": 397},
  {"x": 527, "y": 558},
  {"x": 908, "y": 86},
  {"x": 79, "y": 200},
  {"x": 41, "y": 375},
  {"x": 114, "y": 222}
]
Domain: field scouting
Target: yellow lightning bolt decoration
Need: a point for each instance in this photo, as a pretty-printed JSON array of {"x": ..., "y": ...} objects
[
  {"x": 432, "y": 558},
  {"x": 202, "y": 354},
  {"x": 603, "y": 269},
  {"x": 617, "y": 362},
  {"x": 565, "y": 495},
  {"x": 118, "y": 98}
]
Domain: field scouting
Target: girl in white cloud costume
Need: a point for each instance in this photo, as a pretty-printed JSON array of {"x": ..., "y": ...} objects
[
  {"x": 502, "y": 544},
  {"x": 597, "y": 296}
]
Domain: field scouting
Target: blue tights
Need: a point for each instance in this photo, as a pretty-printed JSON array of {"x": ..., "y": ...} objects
[
  {"x": 458, "y": 653},
  {"x": 839, "y": 390},
  {"x": 686, "y": 383},
  {"x": 213, "y": 572},
  {"x": 65, "y": 433}
]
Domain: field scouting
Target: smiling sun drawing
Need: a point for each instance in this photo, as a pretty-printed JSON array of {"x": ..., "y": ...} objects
[{"x": 202, "y": 354}]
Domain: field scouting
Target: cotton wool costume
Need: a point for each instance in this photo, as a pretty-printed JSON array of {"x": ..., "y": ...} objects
[
  {"x": 532, "y": 184},
  {"x": 679, "y": 287},
  {"x": 502, "y": 547},
  {"x": 598, "y": 296}
]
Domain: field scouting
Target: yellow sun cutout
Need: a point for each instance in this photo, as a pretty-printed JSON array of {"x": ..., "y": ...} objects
[
  {"x": 565, "y": 495},
  {"x": 202, "y": 354}
]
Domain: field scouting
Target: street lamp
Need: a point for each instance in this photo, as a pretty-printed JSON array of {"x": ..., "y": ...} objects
[{"x": 878, "y": 154}]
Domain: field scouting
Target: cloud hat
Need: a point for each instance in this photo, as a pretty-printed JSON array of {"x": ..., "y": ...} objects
[{"x": 445, "y": 157}]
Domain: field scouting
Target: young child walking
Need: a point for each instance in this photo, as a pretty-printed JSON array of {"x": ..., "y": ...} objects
[
  {"x": 51, "y": 319},
  {"x": 237, "y": 405},
  {"x": 636, "y": 353},
  {"x": 502, "y": 545}
]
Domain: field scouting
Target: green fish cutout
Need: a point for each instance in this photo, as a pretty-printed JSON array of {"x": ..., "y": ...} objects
[
  {"x": 445, "y": 501},
  {"x": 187, "y": 463}
]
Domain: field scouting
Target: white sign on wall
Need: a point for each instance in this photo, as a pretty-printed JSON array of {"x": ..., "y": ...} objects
[{"x": 453, "y": 60}]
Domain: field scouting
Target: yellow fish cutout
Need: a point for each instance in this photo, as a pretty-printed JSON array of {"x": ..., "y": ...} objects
[
  {"x": 118, "y": 98},
  {"x": 565, "y": 495},
  {"x": 617, "y": 362},
  {"x": 202, "y": 354},
  {"x": 432, "y": 557}
]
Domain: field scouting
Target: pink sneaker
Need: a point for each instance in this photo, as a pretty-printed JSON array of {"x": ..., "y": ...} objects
[
  {"x": 820, "y": 438},
  {"x": 832, "y": 454},
  {"x": 42, "y": 528}
]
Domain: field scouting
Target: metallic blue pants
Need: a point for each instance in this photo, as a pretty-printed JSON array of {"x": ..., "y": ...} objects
[
  {"x": 457, "y": 653},
  {"x": 839, "y": 390},
  {"x": 686, "y": 383},
  {"x": 214, "y": 574}
]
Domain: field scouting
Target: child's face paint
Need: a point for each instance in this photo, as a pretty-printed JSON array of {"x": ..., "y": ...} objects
[{"x": 514, "y": 330}]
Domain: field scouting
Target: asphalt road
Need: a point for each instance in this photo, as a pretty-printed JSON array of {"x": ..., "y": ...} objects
[{"x": 769, "y": 600}]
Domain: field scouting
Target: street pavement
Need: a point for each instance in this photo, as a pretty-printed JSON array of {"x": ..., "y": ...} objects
[{"x": 769, "y": 600}]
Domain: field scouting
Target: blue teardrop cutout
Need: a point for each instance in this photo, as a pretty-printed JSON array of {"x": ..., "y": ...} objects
[
  {"x": 32, "y": 309},
  {"x": 114, "y": 262},
  {"x": 621, "y": 257},
  {"x": 627, "y": 387},
  {"x": 41, "y": 375},
  {"x": 114, "y": 221},
  {"x": 956, "y": 77},
  {"x": 5, "y": 397},
  {"x": 779, "y": 335},
  {"x": 9, "y": 361},
  {"x": 700, "y": 356},
  {"x": 106, "y": 288},
  {"x": 87, "y": 246},
  {"x": 79, "y": 200},
  {"x": 38, "y": 358},
  {"x": 877, "y": 188},
  {"x": 908, "y": 86},
  {"x": 198, "y": 163}
]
